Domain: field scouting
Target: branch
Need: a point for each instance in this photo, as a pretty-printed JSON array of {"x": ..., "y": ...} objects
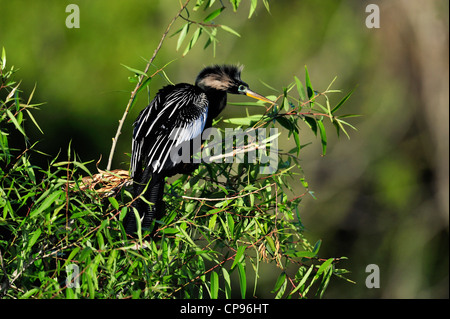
[
  {"x": 226, "y": 198},
  {"x": 138, "y": 85}
]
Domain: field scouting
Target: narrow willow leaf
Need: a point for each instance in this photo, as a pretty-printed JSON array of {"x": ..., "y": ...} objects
[
  {"x": 144, "y": 84},
  {"x": 230, "y": 30},
  {"x": 238, "y": 256},
  {"x": 285, "y": 104},
  {"x": 214, "y": 288},
  {"x": 297, "y": 142},
  {"x": 34, "y": 238},
  {"x": 303, "y": 280},
  {"x": 235, "y": 4},
  {"x": 182, "y": 35},
  {"x": 47, "y": 203},
  {"x": 266, "y": 4},
  {"x": 325, "y": 280},
  {"x": 71, "y": 255},
  {"x": 193, "y": 41},
  {"x": 303, "y": 254},
  {"x": 136, "y": 71},
  {"x": 3, "y": 62},
  {"x": 317, "y": 247},
  {"x": 300, "y": 89},
  {"x": 323, "y": 136},
  {"x": 15, "y": 122},
  {"x": 230, "y": 222},
  {"x": 323, "y": 267},
  {"x": 114, "y": 202},
  {"x": 309, "y": 88},
  {"x": 213, "y": 14},
  {"x": 212, "y": 222},
  {"x": 312, "y": 123},
  {"x": 280, "y": 280},
  {"x": 247, "y": 121},
  {"x": 341, "y": 102},
  {"x": 226, "y": 277},
  {"x": 34, "y": 121},
  {"x": 253, "y": 5},
  {"x": 242, "y": 279}
]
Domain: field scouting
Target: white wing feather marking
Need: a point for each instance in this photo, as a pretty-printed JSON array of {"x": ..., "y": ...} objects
[{"x": 161, "y": 147}]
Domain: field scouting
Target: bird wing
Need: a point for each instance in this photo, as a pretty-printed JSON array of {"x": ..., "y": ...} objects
[{"x": 177, "y": 114}]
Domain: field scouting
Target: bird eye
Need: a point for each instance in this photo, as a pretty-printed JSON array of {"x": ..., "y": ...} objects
[{"x": 242, "y": 88}]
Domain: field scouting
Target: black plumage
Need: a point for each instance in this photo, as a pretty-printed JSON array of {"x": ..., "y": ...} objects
[{"x": 178, "y": 114}]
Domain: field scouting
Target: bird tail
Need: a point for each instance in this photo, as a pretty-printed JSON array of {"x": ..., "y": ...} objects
[{"x": 147, "y": 212}]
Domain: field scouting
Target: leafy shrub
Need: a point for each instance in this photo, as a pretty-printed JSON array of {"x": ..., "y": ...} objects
[{"x": 62, "y": 236}]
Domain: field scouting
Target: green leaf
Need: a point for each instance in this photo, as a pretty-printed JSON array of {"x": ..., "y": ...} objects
[
  {"x": 323, "y": 136},
  {"x": 242, "y": 279},
  {"x": 303, "y": 281},
  {"x": 213, "y": 14},
  {"x": 300, "y": 89},
  {"x": 29, "y": 293},
  {"x": 226, "y": 277},
  {"x": 34, "y": 121},
  {"x": 341, "y": 102},
  {"x": 71, "y": 255},
  {"x": 214, "y": 288},
  {"x": 34, "y": 238},
  {"x": 230, "y": 30},
  {"x": 325, "y": 280},
  {"x": 193, "y": 40},
  {"x": 238, "y": 257},
  {"x": 317, "y": 247},
  {"x": 303, "y": 254},
  {"x": 212, "y": 221},
  {"x": 230, "y": 222},
  {"x": 280, "y": 280},
  {"x": 182, "y": 35},
  {"x": 247, "y": 121},
  {"x": 185, "y": 236},
  {"x": 114, "y": 202},
  {"x": 253, "y": 5},
  {"x": 136, "y": 71},
  {"x": 47, "y": 203},
  {"x": 323, "y": 267},
  {"x": 286, "y": 123},
  {"x": 14, "y": 121},
  {"x": 309, "y": 88},
  {"x": 297, "y": 142},
  {"x": 312, "y": 123},
  {"x": 170, "y": 231},
  {"x": 235, "y": 4},
  {"x": 3, "y": 61},
  {"x": 144, "y": 84},
  {"x": 266, "y": 4}
]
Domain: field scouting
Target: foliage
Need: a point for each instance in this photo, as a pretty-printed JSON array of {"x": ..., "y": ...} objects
[{"x": 233, "y": 216}]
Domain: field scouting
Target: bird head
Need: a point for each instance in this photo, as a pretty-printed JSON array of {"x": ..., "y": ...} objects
[{"x": 226, "y": 78}]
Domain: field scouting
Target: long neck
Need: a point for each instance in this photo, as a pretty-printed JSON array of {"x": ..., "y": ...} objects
[{"x": 217, "y": 102}]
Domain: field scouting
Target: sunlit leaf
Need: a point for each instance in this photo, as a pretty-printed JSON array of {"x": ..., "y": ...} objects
[
  {"x": 230, "y": 30},
  {"x": 253, "y": 5},
  {"x": 213, "y": 14},
  {"x": 214, "y": 279},
  {"x": 182, "y": 35}
]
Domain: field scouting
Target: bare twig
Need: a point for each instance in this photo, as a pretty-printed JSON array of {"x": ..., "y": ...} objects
[{"x": 139, "y": 84}]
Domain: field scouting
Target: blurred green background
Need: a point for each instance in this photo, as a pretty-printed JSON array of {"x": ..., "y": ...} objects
[{"x": 382, "y": 197}]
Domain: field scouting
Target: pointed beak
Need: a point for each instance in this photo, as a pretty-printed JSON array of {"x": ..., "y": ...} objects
[{"x": 257, "y": 96}]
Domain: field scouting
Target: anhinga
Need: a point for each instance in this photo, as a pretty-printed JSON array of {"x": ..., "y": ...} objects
[{"x": 187, "y": 109}]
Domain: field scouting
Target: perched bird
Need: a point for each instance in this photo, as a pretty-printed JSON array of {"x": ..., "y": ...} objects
[{"x": 182, "y": 110}]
